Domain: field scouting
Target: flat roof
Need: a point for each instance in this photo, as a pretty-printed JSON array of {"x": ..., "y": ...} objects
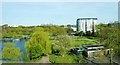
[
  {"x": 92, "y": 46},
  {"x": 87, "y": 18}
]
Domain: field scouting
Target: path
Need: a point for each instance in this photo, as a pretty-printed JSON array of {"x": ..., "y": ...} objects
[{"x": 45, "y": 59}]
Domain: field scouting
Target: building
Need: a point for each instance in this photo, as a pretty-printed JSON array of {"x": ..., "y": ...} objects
[
  {"x": 92, "y": 50},
  {"x": 5, "y": 25},
  {"x": 86, "y": 24}
]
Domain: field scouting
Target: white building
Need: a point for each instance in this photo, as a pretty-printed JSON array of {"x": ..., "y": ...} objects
[
  {"x": 86, "y": 24},
  {"x": 74, "y": 28}
]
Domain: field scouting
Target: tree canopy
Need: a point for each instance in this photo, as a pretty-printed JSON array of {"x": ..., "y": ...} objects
[
  {"x": 10, "y": 52},
  {"x": 38, "y": 44}
]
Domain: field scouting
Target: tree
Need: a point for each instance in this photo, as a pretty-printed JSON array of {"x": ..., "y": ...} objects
[
  {"x": 88, "y": 33},
  {"x": 63, "y": 43},
  {"x": 110, "y": 38},
  {"x": 69, "y": 30},
  {"x": 80, "y": 33},
  {"x": 38, "y": 44},
  {"x": 10, "y": 52}
]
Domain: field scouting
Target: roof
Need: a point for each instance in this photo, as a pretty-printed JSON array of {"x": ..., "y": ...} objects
[
  {"x": 93, "y": 46},
  {"x": 86, "y": 18}
]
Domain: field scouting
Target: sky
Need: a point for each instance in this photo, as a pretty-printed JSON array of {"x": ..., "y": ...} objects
[
  {"x": 60, "y": 0},
  {"x": 58, "y": 13}
]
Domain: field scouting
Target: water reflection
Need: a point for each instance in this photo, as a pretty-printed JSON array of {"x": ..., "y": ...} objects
[{"x": 19, "y": 43}]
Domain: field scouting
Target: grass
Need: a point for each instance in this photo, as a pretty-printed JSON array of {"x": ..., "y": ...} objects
[
  {"x": 63, "y": 59},
  {"x": 79, "y": 41},
  {"x": 75, "y": 42},
  {"x": 67, "y": 59}
]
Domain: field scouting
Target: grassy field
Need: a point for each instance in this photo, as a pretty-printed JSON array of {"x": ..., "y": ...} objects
[
  {"x": 63, "y": 59},
  {"x": 79, "y": 41},
  {"x": 76, "y": 42}
]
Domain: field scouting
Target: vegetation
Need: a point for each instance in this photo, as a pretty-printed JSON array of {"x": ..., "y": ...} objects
[
  {"x": 109, "y": 36},
  {"x": 65, "y": 59},
  {"x": 38, "y": 45},
  {"x": 16, "y": 32},
  {"x": 80, "y": 41},
  {"x": 55, "y": 41},
  {"x": 22, "y": 31},
  {"x": 62, "y": 44},
  {"x": 10, "y": 52}
]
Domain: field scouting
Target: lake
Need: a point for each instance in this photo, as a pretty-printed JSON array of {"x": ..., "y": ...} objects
[{"x": 19, "y": 43}]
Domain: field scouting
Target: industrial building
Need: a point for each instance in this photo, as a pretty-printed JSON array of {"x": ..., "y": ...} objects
[
  {"x": 86, "y": 24},
  {"x": 92, "y": 50}
]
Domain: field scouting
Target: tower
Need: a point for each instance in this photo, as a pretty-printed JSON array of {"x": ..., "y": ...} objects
[{"x": 86, "y": 24}]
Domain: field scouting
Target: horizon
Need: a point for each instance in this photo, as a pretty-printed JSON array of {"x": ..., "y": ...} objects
[{"x": 57, "y": 13}]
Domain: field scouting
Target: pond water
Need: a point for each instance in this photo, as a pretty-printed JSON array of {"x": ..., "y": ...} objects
[{"x": 19, "y": 43}]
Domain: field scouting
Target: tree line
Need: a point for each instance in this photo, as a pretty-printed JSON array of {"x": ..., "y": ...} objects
[{"x": 55, "y": 39}]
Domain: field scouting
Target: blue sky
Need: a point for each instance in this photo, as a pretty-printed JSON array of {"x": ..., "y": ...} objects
[
  {"x": 36, "y": 13},
  {"x": 60, "y": 0}
]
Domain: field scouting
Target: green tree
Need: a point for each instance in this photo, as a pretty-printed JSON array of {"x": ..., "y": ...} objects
[
  {"x": 63, "y": 44},
  {"x": 11, "y": 52},
  {"x": 88, "y": 33},
  {"x": 80, "y": 33},
  {"x": 38, "y": 44},
  {"x": 110, "y": 38}
]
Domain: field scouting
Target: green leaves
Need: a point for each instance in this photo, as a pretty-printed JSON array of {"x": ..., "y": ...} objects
[
  {"x": 10, "y": 52},
  {"x": 110, "y": 36},
  {"x": 9, "y": 45},
  {"x": 62, "y": 44},
  {"x": 36, "y": 51},
  {"x": 38, "y": 44}
]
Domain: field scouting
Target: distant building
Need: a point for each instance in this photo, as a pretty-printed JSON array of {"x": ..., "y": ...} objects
[
  {"x": 5, "y": 25},
  {"x": 74, "y": 28},
  {"x": 86, "y": 24}
]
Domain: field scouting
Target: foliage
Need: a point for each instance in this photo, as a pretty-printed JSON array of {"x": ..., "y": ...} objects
[
  {"x": 62, "y": 44},
  {"x": 63, "y": 59},
  {"x": 80, "y": 33},
  {"x": 10, "y": 52},
  {"x": 9, "y": 45},
  {"x": 8, "y": 32},
  {"x": 109, "y": 36},
  {"x": 38, "y": 44},
  {"x": 55, "y": 30},
  {"x": 88, "y": 33},
  {"x": 25, "y": 57},
  {"x": 20, "y": 31}
]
